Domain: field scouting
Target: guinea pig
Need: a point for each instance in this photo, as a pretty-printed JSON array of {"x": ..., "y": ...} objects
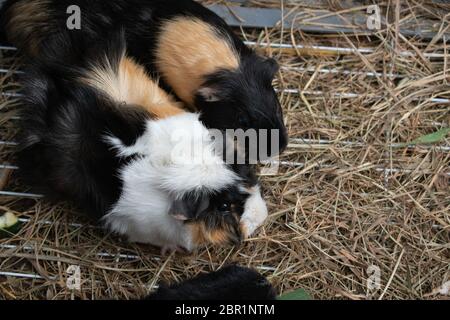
[
  {"x": 232, "y": 282},
  {"x": 107, "y": 138},
  {"x": 199, "y": 57}
]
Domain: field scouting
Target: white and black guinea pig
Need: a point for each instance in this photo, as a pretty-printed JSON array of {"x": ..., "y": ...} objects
[
  {"x": 229, "y": 283},
  {"x": 107, "y": 138},
  {"x": 199, "y": 57}
]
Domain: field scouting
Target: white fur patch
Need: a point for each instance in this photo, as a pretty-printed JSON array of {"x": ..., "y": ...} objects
[
  {"x": 255, "y": 212},
  {"x": 175, "y": 157},
  {"x": 445, "y": 289}
]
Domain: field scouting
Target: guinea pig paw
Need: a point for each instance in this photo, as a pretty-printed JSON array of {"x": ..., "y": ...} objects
[
  {"x": 171, "y": 248},
  {"x": 249, "y": 227}
]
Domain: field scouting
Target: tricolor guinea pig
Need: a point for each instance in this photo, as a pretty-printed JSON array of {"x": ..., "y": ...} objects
[
  {"x": 199, "y": 57},
  {"x": 107, "y": 138}
]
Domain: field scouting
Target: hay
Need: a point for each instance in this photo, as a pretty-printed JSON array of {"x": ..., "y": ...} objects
[{"x": 348, "y": 195}]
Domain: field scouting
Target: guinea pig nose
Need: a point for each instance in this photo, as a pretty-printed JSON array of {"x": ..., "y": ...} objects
[{"x": 236, "y": 240}]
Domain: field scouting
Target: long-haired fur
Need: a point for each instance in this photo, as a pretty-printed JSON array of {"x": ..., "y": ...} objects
[
  {"x": 197, "y": 54},
  {"x": 113, "y": 158}
]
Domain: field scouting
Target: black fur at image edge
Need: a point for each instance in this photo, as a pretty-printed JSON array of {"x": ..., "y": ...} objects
[{"x": 230, "y": 283}]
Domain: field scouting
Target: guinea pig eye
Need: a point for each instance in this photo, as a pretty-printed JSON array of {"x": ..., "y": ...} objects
[{"x": 224, "y": 207}]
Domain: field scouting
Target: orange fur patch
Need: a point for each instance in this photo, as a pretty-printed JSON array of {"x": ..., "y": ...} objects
[
  {"x": 28, "y": 24},
  {"x": 201, "y": 235},
  {"x": 197, "y": 232},
  {"x": 244, "y": 230},
  {"x": 189, "y": 49},
  {"x": 132, "y": 85}
]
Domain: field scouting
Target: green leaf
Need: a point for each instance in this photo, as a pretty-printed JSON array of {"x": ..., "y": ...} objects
[
  {"x": 298, "y": 294},
  {"x": 430, "y": 138},
  {"x": 9, "y": 225}
]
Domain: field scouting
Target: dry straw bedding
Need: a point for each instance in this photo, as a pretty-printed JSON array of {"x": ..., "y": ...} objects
[{"x": 347, "y": 196}]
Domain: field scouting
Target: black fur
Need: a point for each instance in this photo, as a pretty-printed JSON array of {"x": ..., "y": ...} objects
[
  {"x": 62, "y": 149},
  {"x": 229, "y": 283},
  {"x": 248, "y": 98},
  {"x": 255, "y": 103},
  {"x": 3, "y": 37}
]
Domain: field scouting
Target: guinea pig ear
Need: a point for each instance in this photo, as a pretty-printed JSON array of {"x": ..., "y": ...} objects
[
  {"x": 209, "y": 94},
  {"x": 189, "y": 207},
  {"x": 271, "y": 67}
]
